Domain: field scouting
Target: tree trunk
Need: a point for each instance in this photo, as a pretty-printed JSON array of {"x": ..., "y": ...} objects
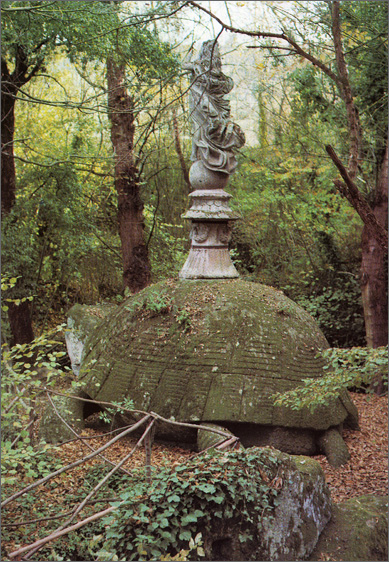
[
  {"x": 353, "y": 121},
  {"x": 374, "y": 255},
  {"x": 177, "y": 144},
  {"x": 20, "y": 323},
  {"x": 8, "y": 177},
  {"x": 374, "y": 269},
  {"x": 136, "y": 264},
  {"x": 19, "y": 316}
]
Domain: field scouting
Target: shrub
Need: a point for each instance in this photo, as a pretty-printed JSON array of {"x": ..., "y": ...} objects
[
  {"x": 338, "y": 311},
  {"x": 27, "y": 370},
  {"x": 359, "y": 367}
]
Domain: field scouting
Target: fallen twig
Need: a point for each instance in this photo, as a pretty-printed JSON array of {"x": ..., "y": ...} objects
[
  {"x": 74, "y": 527},
  {"x": 65, "y": 525},
  {"x": 77, "y": 435},
  {"x": 75, "y": 463}
]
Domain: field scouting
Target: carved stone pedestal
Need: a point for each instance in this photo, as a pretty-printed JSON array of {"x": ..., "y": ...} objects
[{"x": 209, "y": 256}]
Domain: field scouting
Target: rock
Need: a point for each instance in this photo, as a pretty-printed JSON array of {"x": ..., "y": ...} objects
[
  {"x": 358, "y": 531},
  {"x": 52, "y": 429},
  {"x": 206, "y": 439},
  {"x": 334, "y": 447},
  {"x": 87, "y": 317},
  {"x": 74, "y": 346},
  {"x": 303, "y": 509},
  {"x": 82, "y": 320},
  {"x": 302, "y": 513},
  {"x": 250, "y": 504}
]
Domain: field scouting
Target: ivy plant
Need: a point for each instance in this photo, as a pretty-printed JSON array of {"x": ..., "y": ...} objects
[{"x": 163, "y": 517}]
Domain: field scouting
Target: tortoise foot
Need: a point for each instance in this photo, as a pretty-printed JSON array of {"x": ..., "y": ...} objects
[
  {"x": 207, "y": 439},
  {"x": 334, "y": 447}
]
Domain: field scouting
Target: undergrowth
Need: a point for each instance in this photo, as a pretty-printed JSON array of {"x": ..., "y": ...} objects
[{"x": 162, "y": 517}]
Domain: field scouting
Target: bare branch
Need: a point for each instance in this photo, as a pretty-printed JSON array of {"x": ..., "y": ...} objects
[
  {"x": 353, "y": 122},
  {"x": 28, "y": 8},
  {"x": 299, "y": 50},
  {"x": 106, "y": 477},
  {"x": 177, "y": 144},
  {"x": 74, "y": 527},
  {"x": 145, "y": 414},
  {"x": 75, "y": 463},
  {"x": 78, "y": 437}
]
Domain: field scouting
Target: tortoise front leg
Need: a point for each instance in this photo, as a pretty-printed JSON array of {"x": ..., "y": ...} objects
[{"x": 207, "y": 439}]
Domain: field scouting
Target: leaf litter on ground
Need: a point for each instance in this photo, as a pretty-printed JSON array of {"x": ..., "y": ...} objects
[{"x": 365, "y": 473}]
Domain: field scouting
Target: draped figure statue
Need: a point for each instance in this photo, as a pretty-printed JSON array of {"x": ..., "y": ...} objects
[{"x": 215, "y": 137}]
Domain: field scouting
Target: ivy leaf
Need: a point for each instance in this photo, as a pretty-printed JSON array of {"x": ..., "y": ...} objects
[
  {"x": 173, "y": 498},
  {"x": 190, "y": 518},
  {"x": 185, "y": 535}
]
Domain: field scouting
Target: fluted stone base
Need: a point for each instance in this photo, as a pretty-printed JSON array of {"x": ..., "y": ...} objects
[{"x": 208, "y": 263}]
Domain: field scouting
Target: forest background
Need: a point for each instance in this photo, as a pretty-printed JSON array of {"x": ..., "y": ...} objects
[
  {"x": 61, "y": 238},
  {"x": 96, "y": 143}
]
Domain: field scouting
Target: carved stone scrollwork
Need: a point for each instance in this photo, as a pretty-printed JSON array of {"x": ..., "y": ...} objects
[
  {"x": 224, "y": 233},
  {"x": 210, "y": 235},
  {"x": 199, "y": 233}
]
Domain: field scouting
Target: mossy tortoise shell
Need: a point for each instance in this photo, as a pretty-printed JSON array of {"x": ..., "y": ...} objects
[{"x": 216, "y": 351}]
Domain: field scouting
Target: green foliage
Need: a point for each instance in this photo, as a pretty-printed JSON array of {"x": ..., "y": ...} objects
[
  {"x": 194, "y": 551},
  {"x": 338, "y": 311},
  {"x": 9, "y": 283},
  {"x": 166, "y": 245},
  {"x": 108, "y": 415},
  {"x": 162, "y": 517},
  {"x": 41, "y": 28},
  {"x": 27, "y": 370},
  {"x": 183, "y": 317},
  {"x": 297, "y": 235},
  {"x": 157, "y": 303},
  {"x": 359, "y": 367},
  {"x": 60, "y": 236},
  {"x": 65, "y": 214},
  {"x": 366, "y": 40}
]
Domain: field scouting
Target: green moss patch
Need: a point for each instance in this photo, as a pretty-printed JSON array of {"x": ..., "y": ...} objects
[
  {"x": 358, "y": 531},
  {"x": 209, "y": 350}
]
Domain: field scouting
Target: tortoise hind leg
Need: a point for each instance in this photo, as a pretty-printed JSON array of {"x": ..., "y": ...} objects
[
  {"x": 207, "y": 439},
  {"x": 334, "y": 447}
]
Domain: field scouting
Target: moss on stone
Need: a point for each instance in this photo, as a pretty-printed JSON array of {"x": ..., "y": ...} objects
[
  {"x": 53, "y": 430},
  {"x": 358, "y": 531},
  {"x": 85, "y": 318},
  {"x": 242, "y": 343}
]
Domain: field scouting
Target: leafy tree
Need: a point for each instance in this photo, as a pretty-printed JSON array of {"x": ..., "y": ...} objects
[
  {"x": 31, "y": 33},
  {"x": 151, "y": 61},
  {"x": 34, "y": 33},
  {"x": 318, "y": 39}
]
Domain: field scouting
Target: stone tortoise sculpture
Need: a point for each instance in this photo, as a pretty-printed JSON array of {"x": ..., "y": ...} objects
[{"x": 215, "y": 351}]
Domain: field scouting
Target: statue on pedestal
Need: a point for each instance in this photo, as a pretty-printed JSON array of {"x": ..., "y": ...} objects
[{"x": 215, "y": 140}]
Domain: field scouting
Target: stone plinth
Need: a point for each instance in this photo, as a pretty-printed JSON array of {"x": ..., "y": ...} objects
[{"x": 210, "y": 213}]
